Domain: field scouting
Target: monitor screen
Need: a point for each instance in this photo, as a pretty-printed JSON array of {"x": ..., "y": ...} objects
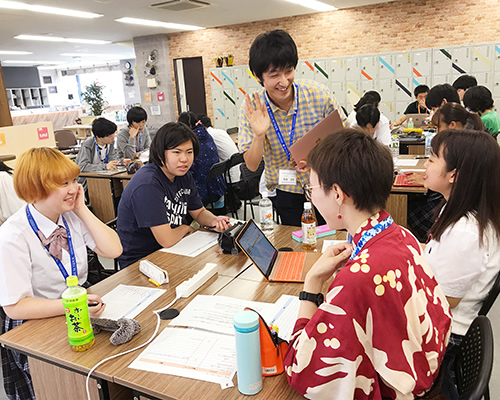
[{"x": 257, "y": 247}]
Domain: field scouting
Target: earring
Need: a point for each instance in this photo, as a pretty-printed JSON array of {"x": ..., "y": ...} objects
[{"x": 339, "y": 215}]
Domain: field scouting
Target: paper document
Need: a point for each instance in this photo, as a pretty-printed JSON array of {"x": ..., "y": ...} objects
[
  {"x": 286, "y": 315},
  {"x": 191, "y": 353},
  {"x": 128, "y": 301},
  {"x": 403, "y": 162},
  {"x": 194, "y": 244},
  {"x": 216, "y": 313},
  {"x": 327, "y": 243}
]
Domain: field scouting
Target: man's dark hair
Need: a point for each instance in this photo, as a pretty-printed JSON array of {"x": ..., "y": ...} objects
[
  {"x": 464, "y": 82},
  {"x": 361, "y": 166},
  {"x": 478, "y": 99},
  {"x": 189, "y": 118},
  {"x": 274, "y": 49},
  {"x": 440, "y": 92},
  {"x": 371, "y": 97},
  {"x": 102, "y": 127},
  {"x": 367, "y": 114},
  {"x": 206, "y": 121},
  {"x": 136, "y": 114},
  {"x": 168, "y": 137},
  {"x": 421, "y": 89}
]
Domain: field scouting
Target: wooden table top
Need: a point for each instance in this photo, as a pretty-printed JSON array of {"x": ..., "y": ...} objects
[
  {"x": 46, "y": 339},
  {"x": 419, "y": 166}
]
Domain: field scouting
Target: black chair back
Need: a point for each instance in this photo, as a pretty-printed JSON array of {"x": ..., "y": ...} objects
[
  {"x": 474, "y": 360},
  {"x": 492, "y": 296},
  {"x": 251, "y": 180}
]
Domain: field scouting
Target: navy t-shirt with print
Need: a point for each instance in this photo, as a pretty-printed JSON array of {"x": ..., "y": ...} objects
[{"x": 151, "y": 199}]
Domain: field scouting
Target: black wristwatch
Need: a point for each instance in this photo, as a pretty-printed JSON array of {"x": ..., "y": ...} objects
[{"x": 316, "y": 298}]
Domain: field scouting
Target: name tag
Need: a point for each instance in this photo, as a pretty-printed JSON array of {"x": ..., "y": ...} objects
[{"x": 288, "y": 177}]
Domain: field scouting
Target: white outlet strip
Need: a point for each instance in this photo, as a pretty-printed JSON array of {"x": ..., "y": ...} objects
[{"x": 187, "y": 288}]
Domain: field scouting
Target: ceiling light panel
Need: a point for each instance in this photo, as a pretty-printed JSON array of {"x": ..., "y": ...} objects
[
  {"x": 168, "y": 25},
  {"x": 314, "y": 5},
  {"x": 15, "y": 53},
  {"x": 14, "y": 5},
  {"x": 60, "y": 39}
]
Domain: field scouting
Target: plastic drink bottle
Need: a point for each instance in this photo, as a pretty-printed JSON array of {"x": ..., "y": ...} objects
[
  {"x": 410, "y": 123},
  {"x": 309, "y": 238},
  {"x": 395, "y": 148},
  {"x": 246, "y": 327},
  {"x": 266, "y": 213},
  {"x": 76, "y": 309}
]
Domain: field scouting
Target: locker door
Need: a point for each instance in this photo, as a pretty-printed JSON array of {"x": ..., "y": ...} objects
[
  {"x": 339, "y": 91},
  {"x": 403, "y": 89},
  {"x": 401, "y": 107},
  {"x": 386, "y": 66},
  {"x": 227, "y": 78},
  {"x": 217, "y": 99},
  {"x": 369, "y": 68},
  {"x": 387, "y": 90},
  {"x": 239, "y": 97},
  {"x": 215, "y": 79},
  {"x": 219, "y": 119},
  {"x": 404, "y": 66},
  {"x": 484, "y": 79},
  {"x": 496, "y": 86},
  {"x": 441, "y": 62},
  {"x": 482, "y": 58},
  {"x": 422, "y": 64},
  {"x": 305, "y": 70},
  {"x": 421, "y": 80},
  {"x": 367, "y": 85},
  {"x": 440, "y": 79},
  {"x": 352, "y": 71},
  {"x": 239, "y": 75},
  {"x": 251, "y": 82},
  {"x": 321, "y": 70},
  {"x": 353, "y": 92},
  {"x": 387, "y": 108},
  {"x": 497, "y": 57},
  {"x": 231, "y": 118},
  {"x": 462, "y": 58},
  {"x": 337, "y": 70}
]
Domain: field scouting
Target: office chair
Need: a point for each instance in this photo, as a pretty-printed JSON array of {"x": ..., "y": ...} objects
[
  {"x": 250, "y": 187},
  {"x": 492, "y": 296},
  {"x": 66, "y": 141},
  {"x": 474, "y": 360}
]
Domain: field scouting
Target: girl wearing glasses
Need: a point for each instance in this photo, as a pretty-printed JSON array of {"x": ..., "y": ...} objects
[{"x": 381, "y": 331}]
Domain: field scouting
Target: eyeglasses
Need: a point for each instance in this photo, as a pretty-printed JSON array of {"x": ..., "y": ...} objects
[{"x": 308, "y": 190}]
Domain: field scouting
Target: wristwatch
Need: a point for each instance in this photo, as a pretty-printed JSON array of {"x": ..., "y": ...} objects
[{"x": 316, "y": 298}]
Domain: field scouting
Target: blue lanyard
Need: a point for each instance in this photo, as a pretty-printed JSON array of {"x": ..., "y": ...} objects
[
  {"x": 140, "y": 141},
  {"x": 277, "y": 128},
  {"x": 370, "y": 234},
  {"x": 99, "y": 151},
  {"x": 74, "y": 269}
]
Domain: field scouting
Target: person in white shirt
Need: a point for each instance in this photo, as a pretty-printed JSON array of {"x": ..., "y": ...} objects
[
  {"x": 381, "y": 132},
  {"x": 463, "y": 249},
  {"x": 42, "y": 244}
]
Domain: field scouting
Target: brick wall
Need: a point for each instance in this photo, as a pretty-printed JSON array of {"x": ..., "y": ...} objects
[{"x": 395, "y": 26}]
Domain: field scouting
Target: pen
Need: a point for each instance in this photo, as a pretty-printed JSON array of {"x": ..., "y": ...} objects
[{"x": 154, "y": 282}]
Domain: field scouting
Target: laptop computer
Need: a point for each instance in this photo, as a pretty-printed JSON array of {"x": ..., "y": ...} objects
[
  {"x": 419, "y": 120},
  {"x": 274, "y": 265},
  {"x": 301, "y": 148},
  {"x": 402, "y": 180}
]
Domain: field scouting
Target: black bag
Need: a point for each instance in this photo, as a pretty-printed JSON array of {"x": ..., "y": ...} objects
[{"x": 227, "y": 239}]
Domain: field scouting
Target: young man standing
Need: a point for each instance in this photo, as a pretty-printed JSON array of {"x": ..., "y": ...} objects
[{"x": 279, "y": 115}]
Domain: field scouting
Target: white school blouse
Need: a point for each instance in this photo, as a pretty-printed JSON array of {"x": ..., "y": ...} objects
[
  {"x": 26, "y": 268},
  {"x": 464, "y": 269}
]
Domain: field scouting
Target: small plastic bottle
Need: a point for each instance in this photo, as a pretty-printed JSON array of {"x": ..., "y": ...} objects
[
  {"x": 395, "y": 148},
  {"x": 309, "y": 238},
  {"x": 246, "y": 326},
  {"x": 76, "y": 309},
  {"x": 410, "y": 123},
  {"x": 266, "y": 213},
  {"x": 428, "y": 140}
]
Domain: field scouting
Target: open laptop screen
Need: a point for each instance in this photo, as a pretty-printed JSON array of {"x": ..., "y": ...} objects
[{"x": 257, "y": 247}]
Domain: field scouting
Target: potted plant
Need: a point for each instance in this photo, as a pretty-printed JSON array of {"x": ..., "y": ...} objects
[{"x": 93, "y": 96}]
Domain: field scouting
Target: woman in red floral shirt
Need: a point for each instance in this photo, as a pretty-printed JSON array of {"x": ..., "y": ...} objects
[{"x": 382, "y": 331}]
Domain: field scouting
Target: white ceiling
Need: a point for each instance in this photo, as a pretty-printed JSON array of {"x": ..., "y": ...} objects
[{"x": 219, "y": 13}]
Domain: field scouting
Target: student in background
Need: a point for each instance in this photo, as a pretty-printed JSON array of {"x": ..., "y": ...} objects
[
  {"x": 464, "y": 83},
  {"x": 154, "y": 205},
  {"x": 464, "y": 243},
  {"x": 368, "y": 119},
  {"x": 134, "y": 139},
  {"x": 276, "y": 117},
  {"x": 479, "y": 99},
  {"x": 350, "y": 347},
  {"x": 418, "y": 106},
  {"x": 381, "y": 132},
  {"x": 55, "y": 221},
  {"x": 210, "y": 191},
  {"x": 439, "y": 95}
]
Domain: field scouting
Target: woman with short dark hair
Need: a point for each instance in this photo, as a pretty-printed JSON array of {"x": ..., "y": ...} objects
[{"x": 382, "y": 331}]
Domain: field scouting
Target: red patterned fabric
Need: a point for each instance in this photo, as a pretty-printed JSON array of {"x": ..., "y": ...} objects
[
  {"x": 57, "y": 241},
  {"x": 383, "y": 329}
]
